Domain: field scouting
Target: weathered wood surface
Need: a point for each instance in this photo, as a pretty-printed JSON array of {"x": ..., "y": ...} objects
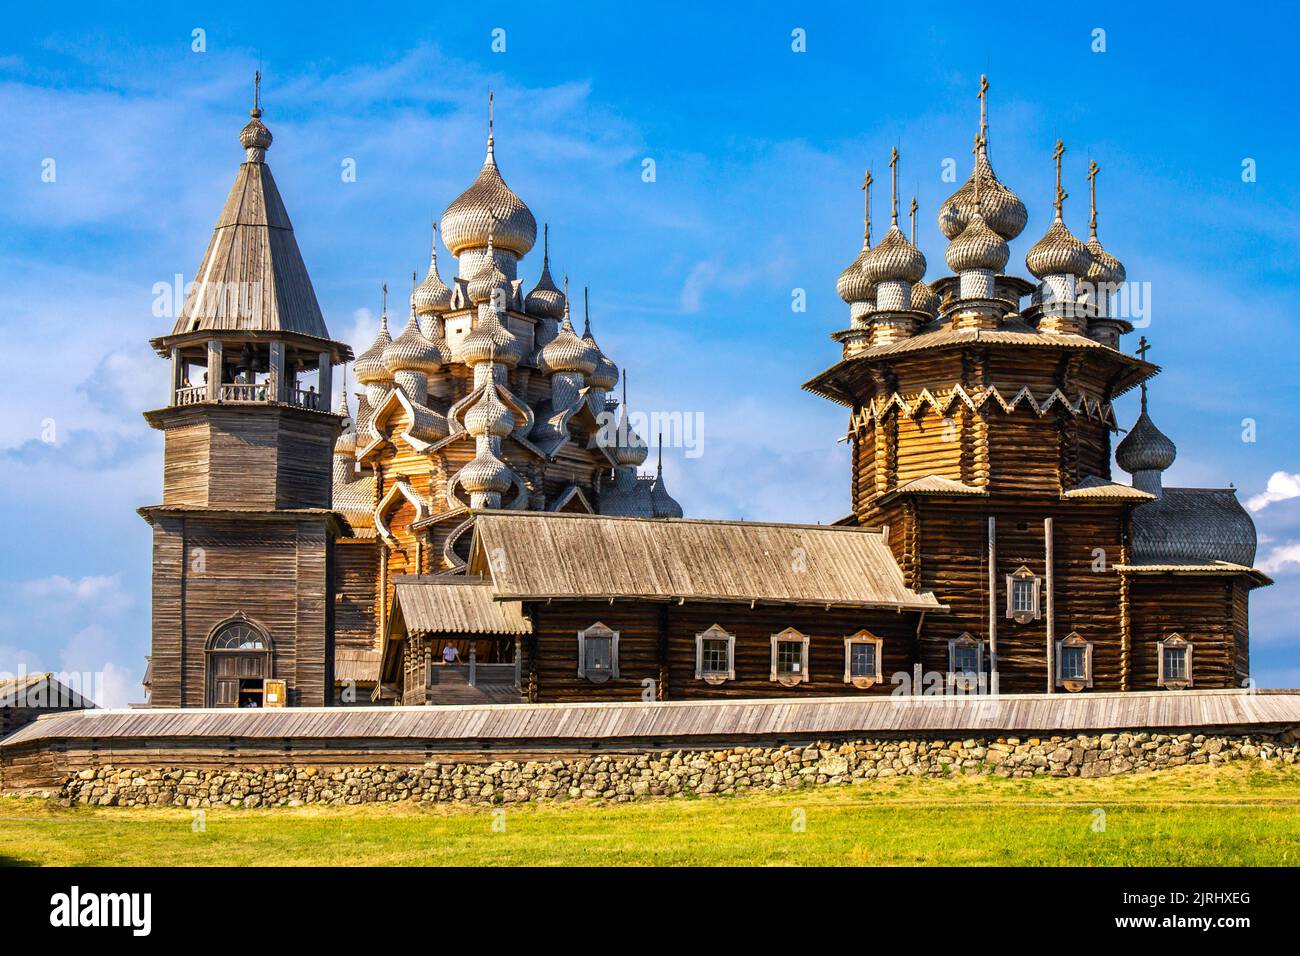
[{"x": 677, "y": 720}]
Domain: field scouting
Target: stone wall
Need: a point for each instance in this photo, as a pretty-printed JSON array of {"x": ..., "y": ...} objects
[{"x": 670, "y": 773}]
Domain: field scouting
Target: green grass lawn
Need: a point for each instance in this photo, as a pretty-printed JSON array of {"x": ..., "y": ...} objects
[{"x": 1241, "y": 814}]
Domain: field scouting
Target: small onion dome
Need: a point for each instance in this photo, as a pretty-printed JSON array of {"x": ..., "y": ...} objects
[
  {"x": 664, "y": 504},
  {"x": 488, "y": 206},
  {"x": 490, "y": 416},
  {"x": 893, "y": 259},
  {"x": 605, "y": 375},
  {"x": 630, "y": 450},
  {"x": 545, "y": 299},
  {"x": 411, "y": 351},
  {"x": 1105, "y": 267},
  {"x": 567, "y": 352},
  {"x": 347, "y": 442},
  {"x": 925, "y": 299},
  {"x": 432, "y": 295},
  {"x": 490, "y": 342},
  {"x": 1058, "y": 253},
  {"x": 486, "y": 473},
  {"x": 488, "y": 279},
  {"x": 853, "y": 285},
  {"x": 254, "y": 135},
  {"x": 369, "y": 368},
  {"x": 1145, "y": 447},
  {"x": 1003, "y": 211},
  {"x": 977, "y": 247}
]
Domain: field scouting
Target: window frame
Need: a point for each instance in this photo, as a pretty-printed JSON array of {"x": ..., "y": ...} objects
[
  {"x": 1021, "y": 576},
  {"x": 1174, "y": 641},
  {"x": 964, "y": 682},
  {"x": 715, "y": 633},
  {"x": 790, "y": 636},
  {"x": 1074, "y": 639},
  {"x": 601, "y": 631},
  {"x": 863, "y": 637}
]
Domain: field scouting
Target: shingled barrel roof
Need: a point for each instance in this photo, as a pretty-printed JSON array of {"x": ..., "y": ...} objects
[{"x": 539, "y": 556}]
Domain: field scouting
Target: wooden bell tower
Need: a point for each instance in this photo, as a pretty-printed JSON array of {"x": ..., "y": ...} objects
[{"x": 243, "y": 539}]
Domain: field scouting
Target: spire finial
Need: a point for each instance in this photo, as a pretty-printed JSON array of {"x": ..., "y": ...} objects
[
  {"x": 984, "y": 108},
  {"x": 659, "y": 468},
  {"x": 491, "y": 143},
  {"x": 256, "y": 111},
  {"x": 343, "y": 393},
  {"x": 546, "y": 245},
  {"x": 384, "y": 311},
  {"x": 1061, "y": 194},
  {"x": 893, "y": 189},
  {"x": 433, "y": 256},
  {"x": 586, "y": 313},
  {"x": 911, "y": 213},
  {"x": 1093, "y": 170},
  {"x": 866, "y": 203}
]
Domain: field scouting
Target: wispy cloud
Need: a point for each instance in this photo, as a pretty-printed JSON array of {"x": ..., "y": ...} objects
[{"x": 1282, "y": 486}]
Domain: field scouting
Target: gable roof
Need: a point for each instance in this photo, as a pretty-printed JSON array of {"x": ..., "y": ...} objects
[
  {"x": 544, "y": 555},
  {"x": 456, "y": 605},
  {"x": 40, "y": 690}
]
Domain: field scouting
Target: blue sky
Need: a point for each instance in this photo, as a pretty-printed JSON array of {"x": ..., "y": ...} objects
[{"x": 758, "y": 152}]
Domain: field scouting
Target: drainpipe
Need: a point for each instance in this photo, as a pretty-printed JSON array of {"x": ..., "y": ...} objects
[
  {"x": 993, "y": 604},
  {"x": 1051, "y": 608}
]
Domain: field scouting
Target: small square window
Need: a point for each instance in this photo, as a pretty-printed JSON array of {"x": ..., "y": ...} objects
[
  {"x": 715, "y": 656},
  {"x": 862, "y": 660},
  {"x": 966, "y": 660},
  {"x": 598, "y": 653},
  {"x": 1022, "y": 596},
  {"x": 789, "y": 658},
  {"x": 1024, "y": 589},
  {"x": 1074, "y": 663},
  {"x": 1174, "y": 663}
]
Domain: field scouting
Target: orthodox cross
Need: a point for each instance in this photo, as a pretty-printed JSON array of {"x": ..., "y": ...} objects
[
  {"x": 1061, "y": 194},
  {"x": 911, "y": 213},
  {"x": 866, "y": 203},
  {"x": 257, "y": 93},
  {"x": 984, "y": 103},
  {"x": 979, "y": 143},
  {"x": 893, "y": 166},
  {"x": 385, "y": 308},
  {"x": 1093, "y": 169},
  {"x": 1143, "y": 348},
  {"x": 489, "y": 112}
]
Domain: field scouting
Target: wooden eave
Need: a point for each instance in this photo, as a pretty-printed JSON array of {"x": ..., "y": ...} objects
[
  {"x": 334, "y": 519},
  {"x": 340, "y": 352},
  {"x": 159, "y": 417}
]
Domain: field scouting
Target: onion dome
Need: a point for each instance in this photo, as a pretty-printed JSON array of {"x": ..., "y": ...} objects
[
  {"x": 432, "y": 295},
  {"x": 1002, "y": 209},
  {"x": 255, "y": 136},
  {"x": 490, "y": 416},
  {"x": 630, "y": 449},
  {"x": 605, "y": 375},
  {"x": 925, "y": 299},
  {"x": 486, "y": 473},
  {"x": 489, "y": 205},
  {"x": 894, "y": 259},
  {"x": 853, "y": 286},
  {"x": 545, "y": 300},
  {"x": 411, "y": 351},
  {"x": 1145, "y": 447},
  {"x": 346, "y": 444},
  {"x": 567, "y": 352},
  {"x": 489, "y": 278},
  {"x": 369, "y": 368},
  {"x": 1105, "y": 268},
  {"x": 977, "y": 247},
  {"x": 664, "y": 504},
  {"x": 1058, "y": 253},
  {"x": 489, "y": 342}
]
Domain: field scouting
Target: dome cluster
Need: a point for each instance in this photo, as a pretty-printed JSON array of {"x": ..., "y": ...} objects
[
  {"x": 885, "y": 289},
  {"x": 473, "y": 345}
]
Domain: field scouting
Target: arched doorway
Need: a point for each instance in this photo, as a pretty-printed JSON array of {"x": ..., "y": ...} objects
[{"x": 239, "y": 660}]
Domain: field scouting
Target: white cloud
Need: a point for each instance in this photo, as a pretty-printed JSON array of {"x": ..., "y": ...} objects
[
  {"x": 1282, "y": 486},
  {"x": 1279, "y": 557},
  {"x": 103, "y": 593}
]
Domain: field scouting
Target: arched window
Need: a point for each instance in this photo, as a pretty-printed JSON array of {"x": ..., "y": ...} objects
[{"x": 239, "y": 636}]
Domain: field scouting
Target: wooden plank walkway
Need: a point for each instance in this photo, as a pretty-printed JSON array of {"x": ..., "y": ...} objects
[{"x": 803, "y": 718}]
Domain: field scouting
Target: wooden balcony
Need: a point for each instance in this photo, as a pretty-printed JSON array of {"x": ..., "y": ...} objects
[{"x": 260, "y": 393}]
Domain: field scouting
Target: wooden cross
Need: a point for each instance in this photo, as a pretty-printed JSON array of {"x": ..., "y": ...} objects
[
  {"x": 983, "y": 98},
  {"x": 1093, "y": 169},
  {"x": 257, "y": 91},
  {"x": 1143, "y": 348},
  {"x": 893, "y": 166},
  {"x": 1061, "y": 194},
  {"x": 866, "y": 202},
  {"x": 911, "y": 213}
]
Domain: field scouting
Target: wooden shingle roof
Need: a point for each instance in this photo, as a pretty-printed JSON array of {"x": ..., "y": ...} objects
[
  {"x": 252, "y": 276},
  {"x": 448, "y": 606},
  {"x": 544, "y": 555}
]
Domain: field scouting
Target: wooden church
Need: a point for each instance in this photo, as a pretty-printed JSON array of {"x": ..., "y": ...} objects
[{"x": 479, "y": 528}]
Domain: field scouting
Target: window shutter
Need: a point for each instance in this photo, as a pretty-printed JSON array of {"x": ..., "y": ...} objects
[{"x": 699, "y": 656}]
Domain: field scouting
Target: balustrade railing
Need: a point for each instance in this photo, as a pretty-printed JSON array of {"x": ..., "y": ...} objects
[{"x": 240, "y": 392}]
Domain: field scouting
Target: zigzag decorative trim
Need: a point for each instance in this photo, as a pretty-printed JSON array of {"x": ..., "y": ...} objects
[{"x": 881, "y": 408}]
